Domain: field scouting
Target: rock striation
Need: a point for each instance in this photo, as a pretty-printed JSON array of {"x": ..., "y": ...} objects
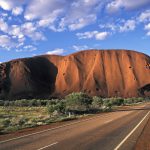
[{"x": 106, "y": 73}]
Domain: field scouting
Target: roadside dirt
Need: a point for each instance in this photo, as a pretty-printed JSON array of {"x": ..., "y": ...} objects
[{"x": 53, "y": 125}]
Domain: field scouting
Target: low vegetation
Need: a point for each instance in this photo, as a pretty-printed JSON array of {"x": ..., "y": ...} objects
[{"x": 19, "y": 114}]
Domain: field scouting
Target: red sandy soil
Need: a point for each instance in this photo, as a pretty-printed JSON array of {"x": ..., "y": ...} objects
[{"x": 105, "y": 73}]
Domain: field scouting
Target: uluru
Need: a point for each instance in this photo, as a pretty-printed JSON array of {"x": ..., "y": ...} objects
[{"x": 105, "y": 73}]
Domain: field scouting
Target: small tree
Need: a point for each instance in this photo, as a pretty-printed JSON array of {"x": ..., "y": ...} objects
[
  {"x": 61, "y": 106},
  {"x": 97, "y": 102},
  {"x": 77, "y": 102},
  {"x": 51, "y": 109},
  {"x": 107, "y": 103},
  {"x": 117, "y": 101}
]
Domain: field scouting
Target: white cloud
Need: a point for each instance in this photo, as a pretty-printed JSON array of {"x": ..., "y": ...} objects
[
  {"x": 82, "y": 22},
  {"x": 3, "y": 26},
  {"x": 93, "y": 34},
  {"x": 57, "y": 51},
  {"x": 129, "y": 25},
  {"x": 6, "y": 42},
  {"x": 111, "y": 26},
  {"x": 3, "y": 15},
  {"x": 59, "y": 15},
  {"x": 30, "y": 47},
  {"x": 147, "y": 27},
  {"x": 11, "y": 4},
  {"x": 30, "y": 30},
  {"x": 148, "y": 33},
  {"x": 80, "y": 47},
  {"x": 17, "y": 11},
  {"x": 144, "y": 16},
  {"x": 19, "y": 33},
  {"x": 28, "y": 27},
  {"x": 80, "y": 14},
  {"x": 101, "y": 35},
  {"x": 42, "y": 9},
  {"x": 6, "y": 5},
  {"x": 120, "y": 26},
  {"x": 87, "y": 35},
  {"x": 116, "y": 5},
  {"x": 16, "y": 32},
  {"x": 50, "y": 19}
]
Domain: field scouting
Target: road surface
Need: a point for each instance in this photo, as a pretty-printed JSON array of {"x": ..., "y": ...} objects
[{"x": 117, "y": 130}]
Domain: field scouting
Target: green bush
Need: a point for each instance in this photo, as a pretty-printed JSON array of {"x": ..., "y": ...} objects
[
  {"x": 78, "y": 102},
  {"x": 128, "y": 101},
  {"x": 2, "y": 102},
  {"x": 59, "y": 106},
  {"x": 97, "y": 102},
  {"x": 107, "y": 103},
  {"x": 117, "y": 101},
  {"x": 137, "y": 100},
  {"x": 21, "y": 103},
  {"x": 50, "y": 109},
  {"x": 22, "y": 121},
  {"x": 6, "y": 103},
  {"x": 6, "y": 122}
]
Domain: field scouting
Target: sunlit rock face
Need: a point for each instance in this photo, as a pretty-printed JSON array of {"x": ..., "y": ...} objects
[{"x": 106, "y": 73}]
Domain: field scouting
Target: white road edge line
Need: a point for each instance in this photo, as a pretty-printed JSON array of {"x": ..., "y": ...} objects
[
  {"x": 51, "y": 129},
  {"x": 47, "y": 146},
  {"x": 122, "y": 142}
]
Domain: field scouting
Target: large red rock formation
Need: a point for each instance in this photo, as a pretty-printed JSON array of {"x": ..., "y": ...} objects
[{"x": 104, "y": 73}]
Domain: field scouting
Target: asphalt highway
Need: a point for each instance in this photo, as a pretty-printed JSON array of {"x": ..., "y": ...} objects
[{"x": 119, "y": 130}]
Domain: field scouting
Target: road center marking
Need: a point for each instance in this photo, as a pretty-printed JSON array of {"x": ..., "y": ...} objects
[
  {"x": 122, "y": 142},
  {"x": 47, "y": 146}
]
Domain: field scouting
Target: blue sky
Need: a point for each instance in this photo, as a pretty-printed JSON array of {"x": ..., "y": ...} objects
[{"x": 35, "y": 27}]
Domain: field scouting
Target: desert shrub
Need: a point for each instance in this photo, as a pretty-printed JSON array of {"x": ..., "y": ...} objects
[
  {"x": 21, "y": 103},
  {"x": 44, "y": 102},
  {"x": 59, "y": 106},
  {"x": 97, "y": 102},
  {"x": 53, "y": 102},
  {"x": 78, "y": 102},
  {"x": 128, "y": 101},
  {"x": 6, "y": 103},
  {"x": 19, "y": 121},
  {"x": 107, "y": 103},
  {"x": 117, "y": 101},
  {"x": 11, "y": 103},
  {"x": 133, "y": 100},
  {"x": 137, "y": 100},
  {"x": 32, "y": 102},
  {"x": 6, "y": 122},
  {"x": 51, "y": 109},
  {"x": 22, "y": 121},
  {"x": 2, "y": 102},
  {"x": 11, "y": 129}
]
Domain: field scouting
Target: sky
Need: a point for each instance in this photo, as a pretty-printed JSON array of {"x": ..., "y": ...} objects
[{"x": 36, "y": 27}]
